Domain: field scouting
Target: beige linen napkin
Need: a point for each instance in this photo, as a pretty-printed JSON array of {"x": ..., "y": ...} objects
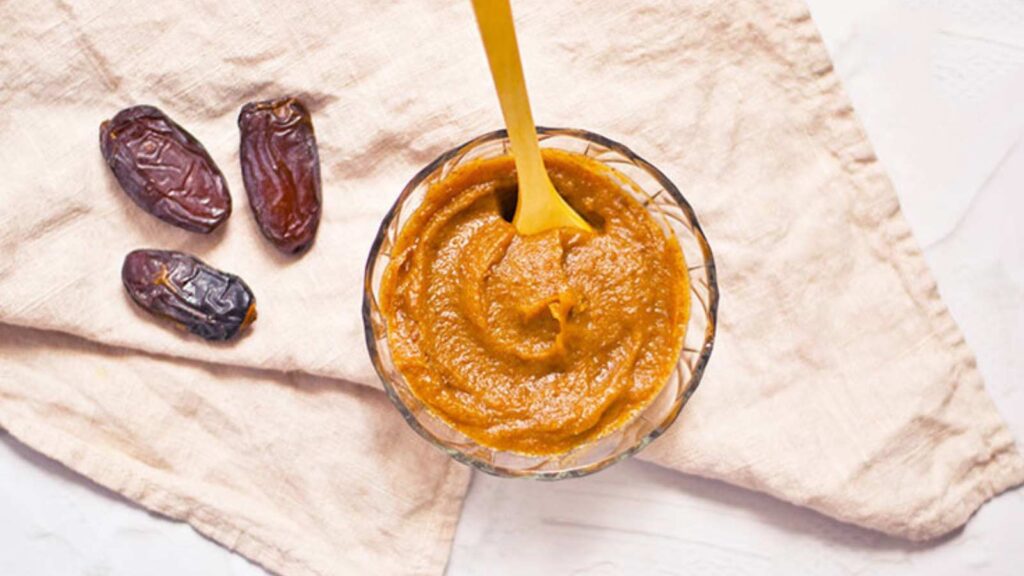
[{"x": 839, "y": 380}]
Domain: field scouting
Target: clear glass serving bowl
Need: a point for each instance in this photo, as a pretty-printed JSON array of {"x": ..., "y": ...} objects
[{"x": 664, "y": 201}]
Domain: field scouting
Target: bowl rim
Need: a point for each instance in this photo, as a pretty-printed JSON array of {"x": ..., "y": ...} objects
[{"x": 699, "y": 366}]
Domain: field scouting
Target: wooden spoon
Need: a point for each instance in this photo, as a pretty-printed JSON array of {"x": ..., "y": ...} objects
[{"x": 540, "y": 207}]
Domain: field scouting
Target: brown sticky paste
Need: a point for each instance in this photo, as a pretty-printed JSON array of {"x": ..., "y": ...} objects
[{"x": 541, "y": 343}]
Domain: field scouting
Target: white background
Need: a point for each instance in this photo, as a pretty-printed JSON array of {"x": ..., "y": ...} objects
[{"x": 939, "y": 85}]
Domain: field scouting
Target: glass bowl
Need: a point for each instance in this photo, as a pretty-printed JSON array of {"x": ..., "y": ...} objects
[{"x": 664, "y": 201}]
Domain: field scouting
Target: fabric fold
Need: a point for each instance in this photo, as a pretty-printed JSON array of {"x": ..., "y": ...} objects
[{"x": 302, "y": 475}]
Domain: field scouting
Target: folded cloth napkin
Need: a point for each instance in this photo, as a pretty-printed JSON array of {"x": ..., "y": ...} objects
[{"x": 839, "y": 379}]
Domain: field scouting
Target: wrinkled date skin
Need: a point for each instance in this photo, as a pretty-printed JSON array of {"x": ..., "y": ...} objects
[
  {"x": 281, "y": 171},
  {"x": 205, "y": 301},
  {"x": 164, "y": 169}
]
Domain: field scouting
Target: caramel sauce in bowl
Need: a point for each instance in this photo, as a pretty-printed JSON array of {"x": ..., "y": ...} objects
[{"x": 552, "y": 355}]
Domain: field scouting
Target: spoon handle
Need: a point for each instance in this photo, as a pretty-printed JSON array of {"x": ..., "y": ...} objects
[{"x": 494, "y": 18}]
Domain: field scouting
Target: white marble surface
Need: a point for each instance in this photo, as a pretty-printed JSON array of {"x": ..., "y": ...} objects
[{"x": 939, "y": 85}]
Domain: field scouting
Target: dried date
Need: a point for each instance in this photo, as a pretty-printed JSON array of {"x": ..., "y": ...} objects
[
  {"x": 281, "y": 171},
  {"x": 205, "y": 301},
  {"x": 164, "y": 169}
]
